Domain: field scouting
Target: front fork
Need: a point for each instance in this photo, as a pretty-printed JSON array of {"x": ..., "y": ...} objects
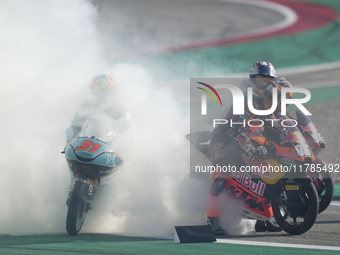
[
  {"x": 318, "y": 183},
  {"x": 89, "y": 191}
]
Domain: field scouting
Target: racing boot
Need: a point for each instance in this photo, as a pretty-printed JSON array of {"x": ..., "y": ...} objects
[
  {"x": 263, "y": 226},
  {"x": 216, "y": 227}
]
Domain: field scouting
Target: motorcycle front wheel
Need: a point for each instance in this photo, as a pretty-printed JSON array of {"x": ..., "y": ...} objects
[
  {"x": 76, "y": 209},
  {"x": 291, "y": 221}
]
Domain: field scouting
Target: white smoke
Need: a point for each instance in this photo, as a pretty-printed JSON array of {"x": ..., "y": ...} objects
[
  {"x": 143, "y": 198},
  {"x": 50, "y": 50},
  {"x": 231, "y": 218}
]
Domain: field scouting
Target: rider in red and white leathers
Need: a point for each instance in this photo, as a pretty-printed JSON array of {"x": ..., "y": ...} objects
[{"x": 229, "y": 143}]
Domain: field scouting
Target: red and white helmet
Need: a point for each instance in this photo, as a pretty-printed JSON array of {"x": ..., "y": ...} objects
[{"x": 260, "y": 74}]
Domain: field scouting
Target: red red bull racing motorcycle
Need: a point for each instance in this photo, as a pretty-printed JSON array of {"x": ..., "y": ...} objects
[{"x": 281, "y": 185}]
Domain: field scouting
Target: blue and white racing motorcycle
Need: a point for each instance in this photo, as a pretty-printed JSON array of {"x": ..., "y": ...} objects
[{"x": 92, "y": 161}]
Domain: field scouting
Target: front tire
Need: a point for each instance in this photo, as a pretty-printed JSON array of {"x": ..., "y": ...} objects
[
  {"x": 289, "y": 221},
  {"x": 76, "y": 209}
]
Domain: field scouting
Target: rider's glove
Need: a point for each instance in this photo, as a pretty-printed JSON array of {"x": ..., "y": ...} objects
[
  {"x": 260, "y": 151},
  {"x": 250, "y": 149}
]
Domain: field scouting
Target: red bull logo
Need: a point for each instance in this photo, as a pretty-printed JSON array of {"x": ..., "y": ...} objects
[
  {"x": 217, "y": 150},
  {"x": 240, "y": 140},
  {"x": 245, "y": 179},
  {"x": 261, "y": 168},
  {"x": 309, "y": 128},
  {"x": 319, "y": 141},
  {"x": 292, "y": 137}
]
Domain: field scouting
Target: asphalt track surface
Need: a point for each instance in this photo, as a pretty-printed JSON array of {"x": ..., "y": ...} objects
[
  {"x": 325, "y": 231},
  {"x": 176, "y": 16},
  {"x": 163, "y": 23}
]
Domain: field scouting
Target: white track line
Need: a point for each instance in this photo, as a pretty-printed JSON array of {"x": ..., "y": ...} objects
[
  {"x": 268, "y": 244},
  {"x": 285, "y": 245},
  {"x": 289, "y": 14}
]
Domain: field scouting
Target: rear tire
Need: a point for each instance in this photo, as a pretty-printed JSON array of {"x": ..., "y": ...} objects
[
  {"x": 76, "y": 210},
  {"x": 296, "y": 225}
]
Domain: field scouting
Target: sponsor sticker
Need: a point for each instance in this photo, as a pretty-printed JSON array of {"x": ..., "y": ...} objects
[{"x": 292, "y": 187}]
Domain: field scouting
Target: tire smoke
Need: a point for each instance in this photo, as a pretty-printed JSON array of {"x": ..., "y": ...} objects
[{"x": 50, "y": 52}]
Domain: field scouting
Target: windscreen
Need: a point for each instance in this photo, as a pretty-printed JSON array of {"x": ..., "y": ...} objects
[
  {"x": 98, "y": 127},
  {"x": 284, "y": 123}
]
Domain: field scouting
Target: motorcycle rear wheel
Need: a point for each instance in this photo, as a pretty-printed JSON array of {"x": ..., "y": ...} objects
[
  {"x": 76, "y": 210},
  {"x": 296, "y": 225}
]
